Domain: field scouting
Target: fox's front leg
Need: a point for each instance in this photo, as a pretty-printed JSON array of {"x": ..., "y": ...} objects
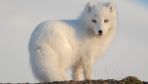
[
  {"x": 77, "y": 72},
  {"x": 87, "y": 68}
]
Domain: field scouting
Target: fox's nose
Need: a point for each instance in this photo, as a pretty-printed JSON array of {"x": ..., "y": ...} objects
[{"x": 100, "y": 32}]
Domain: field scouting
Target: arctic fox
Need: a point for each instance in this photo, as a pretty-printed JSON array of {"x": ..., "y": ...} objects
[{"x": 58, "y": 45}]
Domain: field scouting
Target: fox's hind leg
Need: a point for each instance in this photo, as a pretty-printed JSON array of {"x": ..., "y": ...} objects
[
  {"x": 57, "y": 75},
  {"x": 49, "y": 66}
]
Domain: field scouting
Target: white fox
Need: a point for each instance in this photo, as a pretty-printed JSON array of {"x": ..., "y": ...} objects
[{"x": 56, "y": 46}]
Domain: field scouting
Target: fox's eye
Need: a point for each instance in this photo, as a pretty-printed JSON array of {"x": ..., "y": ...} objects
[
  {"x": 106, "y": 20},
  {"x": 94, "y": 21}
]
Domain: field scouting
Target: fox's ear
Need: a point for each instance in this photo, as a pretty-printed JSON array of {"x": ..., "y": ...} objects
[
  {"x": 110, "y": 6},
  {"x": 89, "y": 6}
]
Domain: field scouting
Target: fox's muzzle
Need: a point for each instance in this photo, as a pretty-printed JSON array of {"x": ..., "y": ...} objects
[{"x": 100, "y": 33}]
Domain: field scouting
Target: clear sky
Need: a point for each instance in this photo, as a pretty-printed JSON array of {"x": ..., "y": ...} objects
[{"x": 127, "y": 56}]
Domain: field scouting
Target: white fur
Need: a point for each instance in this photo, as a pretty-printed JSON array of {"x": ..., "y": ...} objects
[{"x": 56, "y": 46}]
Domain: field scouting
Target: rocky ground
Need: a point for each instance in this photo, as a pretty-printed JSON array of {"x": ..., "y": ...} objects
[{"x": 127, "y": 80}]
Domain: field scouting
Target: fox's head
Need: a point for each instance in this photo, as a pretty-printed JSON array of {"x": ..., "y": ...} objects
[{"x": 100, "y": 16}]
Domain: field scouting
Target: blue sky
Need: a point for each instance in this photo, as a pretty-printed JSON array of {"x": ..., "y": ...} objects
[{"x": 142, "y": 2}]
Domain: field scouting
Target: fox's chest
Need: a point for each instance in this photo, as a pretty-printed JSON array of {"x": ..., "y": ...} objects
[{"x": 93, "y": 47}]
